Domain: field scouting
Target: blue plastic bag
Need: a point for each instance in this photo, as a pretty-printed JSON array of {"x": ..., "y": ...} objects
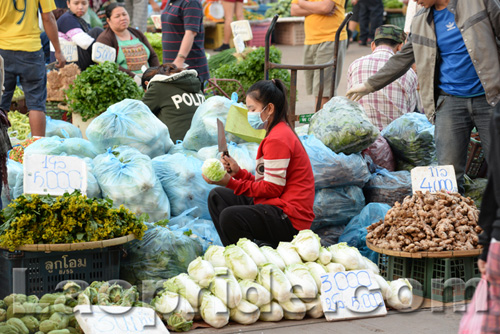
[
  {"x": 14, "y": 169},
  {"x": 63, "y": 129},
  {"x": 355, "y": 232},
  {"x": 334, "y": 170},
  {"x": 180, "y": 177},
  {"x": 203, "y": 131},
  {"x": 130, "y": 123},
  {"x": 127, "y": 177},
  {"x": 57, "y": 146},
  {"x": 203, "y": 229},
  {"x": 93, "y": 188},
  {"x": 336, "y": 206},
  {"x": 238, "y": 152},
  {"x": 411, "y": 138},
  {"x": 179, "y": 148},
  {"x": 388, "y": 187}
]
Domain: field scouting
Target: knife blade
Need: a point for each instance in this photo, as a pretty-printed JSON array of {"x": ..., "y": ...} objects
[
  {"x": 221, "y": 139},
  {"x": 51, "y": 66}
]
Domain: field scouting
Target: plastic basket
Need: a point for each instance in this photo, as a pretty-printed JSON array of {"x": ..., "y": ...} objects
[
  {"x": 259, "y": 30},
  {"x": 40, "y": 272},
  {"x": 53, "y": 110},
  {"x": 395, "y": 19},
  {"x": 442, "y": 279},
  {"x": 475, "y": 158}
]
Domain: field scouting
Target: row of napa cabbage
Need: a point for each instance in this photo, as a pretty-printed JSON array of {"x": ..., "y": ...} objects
[{"x": 246, "y": 283}]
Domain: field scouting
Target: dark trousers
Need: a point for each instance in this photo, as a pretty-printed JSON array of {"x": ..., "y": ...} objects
[
  {"x": 371, "y": 16},
  {"x": 237, "y": 217},
  {"x": 84, "y": 56}
]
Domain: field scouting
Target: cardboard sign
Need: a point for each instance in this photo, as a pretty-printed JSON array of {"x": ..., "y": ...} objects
[
  {"x": 118, "y": 320},
  {"x": 69, "y": 50},
  {"x": 54, "y": 175},
  {"x": 102, "y": 52},
  {"x": 237, "y": 124},
  {"x": 351, "y": 294},
  {"x": 239, "y": 44},
  {"x": 242, "y": 28},
  {"x": 156, "y": 20},
  {"x": 434, "y": 179}
]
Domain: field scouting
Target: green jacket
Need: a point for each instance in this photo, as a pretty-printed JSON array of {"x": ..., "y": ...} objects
[
  {"x": 479, "y": 23},
  {"x": 174, "y": 100}
]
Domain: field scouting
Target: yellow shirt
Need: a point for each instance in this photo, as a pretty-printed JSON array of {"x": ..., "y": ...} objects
[
  {"x": 19, "y": 29},
  {"x": 322, "y": 28}
]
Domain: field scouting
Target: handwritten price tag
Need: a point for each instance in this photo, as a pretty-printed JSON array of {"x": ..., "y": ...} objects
[
  {"x": 54, "y": 175},
  {"x": 434, "y": 179},
  {"x": 351, "y": 294},
  {"x": 118, "y": 320},
  {"x": 69, "y": 50},
  {"x": 102, "y": 52}
]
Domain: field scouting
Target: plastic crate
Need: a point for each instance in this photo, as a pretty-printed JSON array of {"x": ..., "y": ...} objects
[
  {"x": 290, "y": 33},
  {"x": 53, "y": 111},
  {"x": 395, "y": 19},
  {"x": 44, "y": 271},
  {"x": 259, "y": 30},
  {"x": 442, "y": 279},
  {"x": 475, "y": 158}
]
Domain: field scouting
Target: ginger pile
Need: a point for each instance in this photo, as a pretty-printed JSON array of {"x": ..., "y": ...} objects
[
  {"x": 428, "y": 222},
  {"x": 59, "y": 80}
]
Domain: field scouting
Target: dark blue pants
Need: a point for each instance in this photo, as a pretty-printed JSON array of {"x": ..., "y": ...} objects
[{"x": 371, "y": 16}]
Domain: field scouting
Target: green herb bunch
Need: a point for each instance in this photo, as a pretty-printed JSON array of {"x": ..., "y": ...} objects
[
  {"x": 250, "y": 69},
  {"x": 71, "y": 218},
  {"x": 154, "y": 38},
  {"x": 98, "y": 87}
]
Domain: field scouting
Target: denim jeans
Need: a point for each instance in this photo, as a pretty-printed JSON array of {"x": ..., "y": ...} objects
[{"x": 455, "y": 119}]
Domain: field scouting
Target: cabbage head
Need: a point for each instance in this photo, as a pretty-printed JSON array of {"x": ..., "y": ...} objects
[{"x": 213, "y": 169}]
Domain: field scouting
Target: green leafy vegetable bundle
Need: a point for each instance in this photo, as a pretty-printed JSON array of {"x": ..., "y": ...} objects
[
  {"x": 98, "y": 87},
  {"x": 154, "y": 38}
]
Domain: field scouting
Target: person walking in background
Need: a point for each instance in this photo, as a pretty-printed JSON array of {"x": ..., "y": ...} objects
[
  {"x": 395, "y": 99},
  {"x": 371, "y": 16},
  {"x": 458, "y": 73},
  {"x": 132, "y": 48},
  {"x": 231, "y": 8},
  {"x": 21, "y": 49},
  {"x": 138, "y": 12},
  {"x": 322, "y": 20},
  {"x": 352, "y": 27},
  {"x": 183, "y": 36}
]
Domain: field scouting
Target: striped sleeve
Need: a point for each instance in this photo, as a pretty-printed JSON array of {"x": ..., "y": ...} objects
[{"x": 275, "y": 171}]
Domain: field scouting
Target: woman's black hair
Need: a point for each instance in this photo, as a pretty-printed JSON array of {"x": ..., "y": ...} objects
[
  {"x": 166, "y": 69},
  {"x": 111, "y": 7},
  {"x": 272, "y": 91}
]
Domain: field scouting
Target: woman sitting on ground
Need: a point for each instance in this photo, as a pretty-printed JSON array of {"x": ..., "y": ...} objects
[
  {"x": 173, "y": 95},
  {"x": 133, "y": 50},
  {"x": 72, "y": 27}
]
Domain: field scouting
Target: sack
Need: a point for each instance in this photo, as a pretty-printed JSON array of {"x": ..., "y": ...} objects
[
  {"x": 127, "y": 177},
  {"x": 334, "y": 170},
  {"x": 343, "y": 126},
  {"x": 131, "y": 123},
  {"x": 336, "y": 206},
  {"x": 237, "y": 124},
  {"x": 58, "y": 146},
  {"x": 472, "y": 321},
  {"x": 355, "y": 232},
  {"x": 411, "y": 137},
  {"x": 63, "y": 129},
  {"x": 388, "y": 187},
  {"x": 381, "y": 154}
]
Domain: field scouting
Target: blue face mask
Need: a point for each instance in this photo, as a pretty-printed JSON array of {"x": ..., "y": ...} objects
[{"x": 255, "y": 120}]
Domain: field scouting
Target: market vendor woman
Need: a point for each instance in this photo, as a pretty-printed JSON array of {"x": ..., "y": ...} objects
[{"x": 277, "y": 202}]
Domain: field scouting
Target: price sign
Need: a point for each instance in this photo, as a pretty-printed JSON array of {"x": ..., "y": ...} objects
[
  {"x": 156, "y": 20},
  {"x": 242, "y": 28},
  {"x": 118, "y": 320},
  {"x": 305, "y": 118},
  {"x": 102, "y": 52},
  {"x": 351, "y": 294},
  {"x": 239, "y": 44},
  {"x": 69, "y": 50},
  {"x": 54, "y": 175},
  {"x": 434, "y": 179}
]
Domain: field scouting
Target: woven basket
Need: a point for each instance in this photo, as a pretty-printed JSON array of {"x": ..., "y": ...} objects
[
  {"x": 77, "y": 245},
  {"x": 54, "y": 110}
]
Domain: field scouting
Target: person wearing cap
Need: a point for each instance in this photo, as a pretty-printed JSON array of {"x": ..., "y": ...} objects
[
  {"x": 454, "y": 45},
  {"x": 395, "y": 99}
]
